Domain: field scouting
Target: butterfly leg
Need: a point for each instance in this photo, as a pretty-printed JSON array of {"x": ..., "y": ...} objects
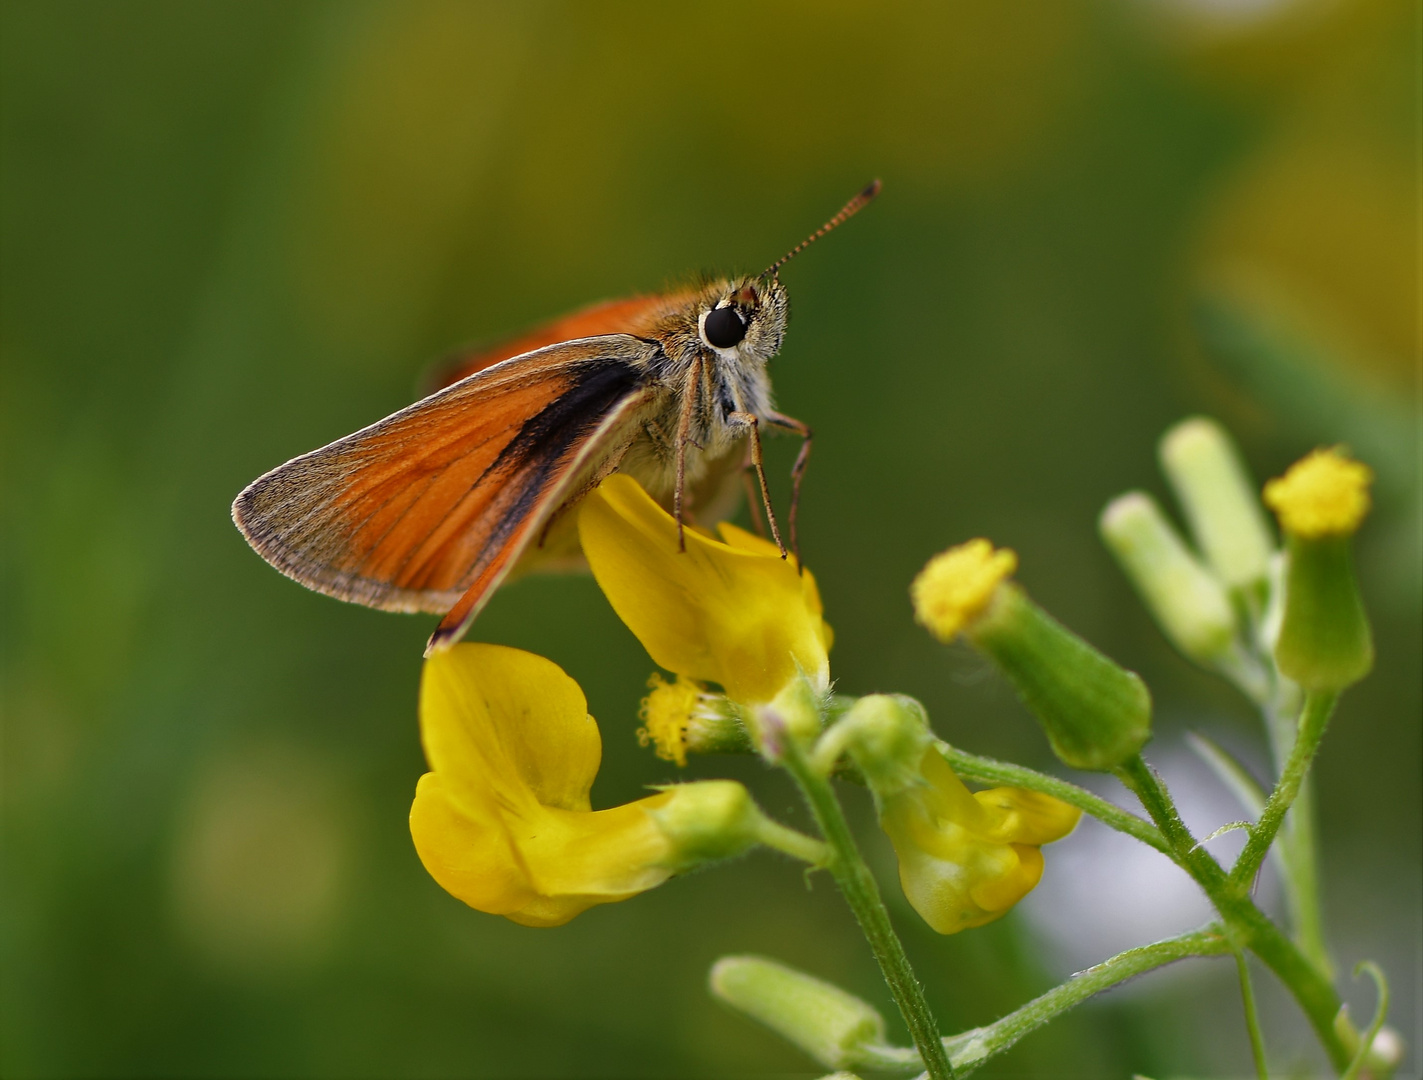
[
  {"x": 684, "y": 436},
  {"x": 753, "y": 496},
  {"x": 795, "y": 427},
  {"x": 752, "y": 422}
]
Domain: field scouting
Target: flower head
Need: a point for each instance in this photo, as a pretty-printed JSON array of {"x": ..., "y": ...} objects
[
  {"x": 503, "y": 820},
  {"x": 956, "y": 585},
  {"x": 730, "y": 611},
  {"x": 1095, "y": 714},
  {"x": 1324, "y": 494},
  {"x": 1324, "y": 641},
  {"x": 966, "y": 857},
  {"x": 682, "y": 717}
]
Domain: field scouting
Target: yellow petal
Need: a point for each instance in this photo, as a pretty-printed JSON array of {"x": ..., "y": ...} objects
[
  {"x": 500, "y": 719},
  {"x": 609, "y": 853},
  {"x": 736, "y": 537},
  {"x": 471, "y": 856},
  {"x": 717, "y": 612},
  {"x": 502, "y": 821},
  {"x": 997, "y": 893},
  {"x": 966, "y": 858},
  {"x": 1017, "y": 816}
]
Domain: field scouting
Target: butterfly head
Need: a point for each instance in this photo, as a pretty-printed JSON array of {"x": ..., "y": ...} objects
[{"x": 745, "y": 318}]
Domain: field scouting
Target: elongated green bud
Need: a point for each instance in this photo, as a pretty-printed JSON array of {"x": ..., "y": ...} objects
[
  {"x": 1187, "y": 601},
  {"x": 829, "y": 1024},
  {"x": 1219, "y": 500},
  {"x": 1324, "y": 642},
  {"x": 1096, "y": 714}
]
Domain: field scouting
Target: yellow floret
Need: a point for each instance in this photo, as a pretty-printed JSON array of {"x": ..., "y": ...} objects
[
  {"x": 956, "y": 585},
  {"x": 666, "y": 714},
  {"x": 1324, "y": 494}
]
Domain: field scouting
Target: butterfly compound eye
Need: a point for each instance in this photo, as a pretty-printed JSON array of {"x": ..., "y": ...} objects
[{"x": 723, "y": 327}]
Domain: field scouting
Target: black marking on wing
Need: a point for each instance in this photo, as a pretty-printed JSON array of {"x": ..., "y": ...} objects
[{"x": 547, "y": 439}]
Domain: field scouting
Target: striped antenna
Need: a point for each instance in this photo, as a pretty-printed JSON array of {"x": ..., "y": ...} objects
[{"x": 849, "y": 210}]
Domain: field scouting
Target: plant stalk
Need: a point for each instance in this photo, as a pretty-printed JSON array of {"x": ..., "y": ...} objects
[
  {"x": 1252, "y": 1017},
  {"x": 972, "y": 1048},
  {"x": 862, "y": 894},
  {"x": 1248, "y": 925},
  {"x": 1318, "y": 706}
]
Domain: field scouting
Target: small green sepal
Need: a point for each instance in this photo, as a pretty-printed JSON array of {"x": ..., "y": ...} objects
[{"x": 706, "y": 821}]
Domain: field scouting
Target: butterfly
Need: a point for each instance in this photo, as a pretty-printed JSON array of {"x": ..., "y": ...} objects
[{"x": 432, "y": 508}]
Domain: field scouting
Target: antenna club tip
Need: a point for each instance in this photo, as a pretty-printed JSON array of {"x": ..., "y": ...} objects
[{"x": 872, "y": 189}]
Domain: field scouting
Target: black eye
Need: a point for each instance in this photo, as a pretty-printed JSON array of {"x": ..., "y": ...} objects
[{"x": 723, "y": 327}]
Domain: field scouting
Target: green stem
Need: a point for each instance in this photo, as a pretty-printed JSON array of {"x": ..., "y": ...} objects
[
  {"x": 986, "y": 770},
  {"x": 862, "y": 894},
  {"x": 1252, "y": 1018},
  {"x": 1249, "y": 926},
  {"x": 972, "y": 1048},
  {"x": 795, "y": 844},
  {"x": 1194, "y": 859},
  {"x": 1311, "y": 989},
  {"x": 1318, "y": 705},
  {"x": 1366, "y": 1044},
  {"x": 1298, "y": 849},
  {"x": 1296, "y": 845}
]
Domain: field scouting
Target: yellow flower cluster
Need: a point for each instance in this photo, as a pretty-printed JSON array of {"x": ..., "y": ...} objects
[{"x": 503, "y": 819}]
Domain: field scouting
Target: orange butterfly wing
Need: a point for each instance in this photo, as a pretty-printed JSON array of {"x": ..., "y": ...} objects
[
  {"x": 636, "y": 316},
  {"x": 415, "y": 511}
]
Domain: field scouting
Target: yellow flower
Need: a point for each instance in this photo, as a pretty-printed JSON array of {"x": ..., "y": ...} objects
[
  {"x": 1324, "y": 494},
  {"x": 966, "y": 857},
  {"x": 1096, "y": 714},
  {"x": 503, "y": 820},
  {"x": 957, "y": 585},
  {"x": 1324, "y": 643},
  {"x": 730, "y": 611}
]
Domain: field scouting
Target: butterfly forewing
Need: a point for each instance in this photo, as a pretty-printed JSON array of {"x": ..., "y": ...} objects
[{"x": 411, "y": 512}]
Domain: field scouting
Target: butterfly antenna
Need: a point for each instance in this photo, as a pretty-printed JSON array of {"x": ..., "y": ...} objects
[{"x": 849, "y": 210}]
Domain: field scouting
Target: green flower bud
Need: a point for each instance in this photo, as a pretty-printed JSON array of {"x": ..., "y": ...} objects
[
  {"x": 793, "y": 713},
  {"x": 823, "y": 1020},
  {"x": 706, "y": 821},
  {"x": 885, "y": 735},
  {"x": 1324, "y": 642},
  {"x": 1219, "y": 500},
  {"x": 1096, "y": 715},
  {"x": 1187, "y": 601}
]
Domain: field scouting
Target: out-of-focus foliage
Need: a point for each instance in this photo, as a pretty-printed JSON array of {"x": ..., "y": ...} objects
[{"x": 234, "y": 232}]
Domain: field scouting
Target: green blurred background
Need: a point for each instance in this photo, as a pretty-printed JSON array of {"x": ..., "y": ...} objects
[{"x": 235, "y": 231}]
